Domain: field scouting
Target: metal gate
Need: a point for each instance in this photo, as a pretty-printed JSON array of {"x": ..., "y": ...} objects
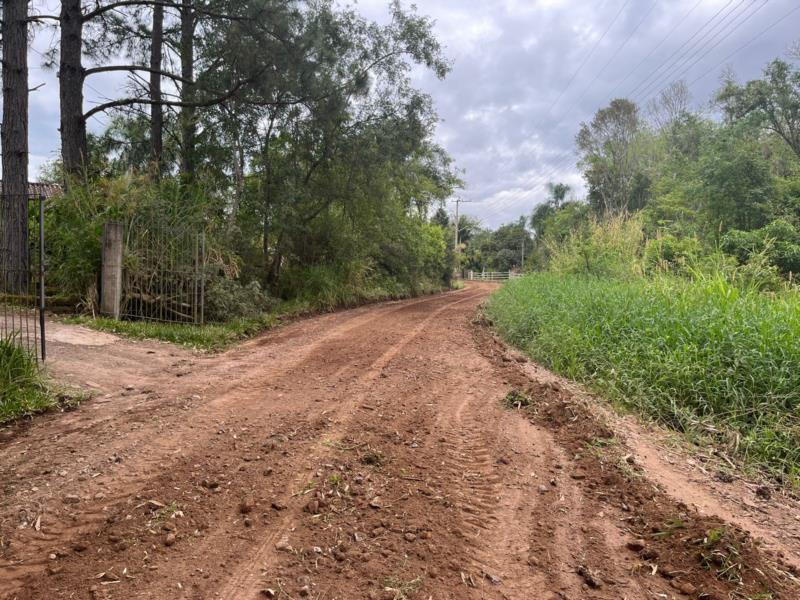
[
  {"x": 164, "y": 273},
  {"x": 22, "y": 293}
]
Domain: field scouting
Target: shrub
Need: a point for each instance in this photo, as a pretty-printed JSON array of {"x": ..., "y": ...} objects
[
  {"x": 667, "y": 253},
  {"x": 779, "y": 241},
  {"x": 228, "y": 299},
  {"x": 612, "y": 248}
]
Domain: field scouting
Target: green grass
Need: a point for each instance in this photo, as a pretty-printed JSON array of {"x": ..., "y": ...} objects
[
  {"x": 219, "y": 336},
  {"x": 213, "y": 337},
  {"x": 22, "y": 388},
  {"x": 703, "y": 357}
]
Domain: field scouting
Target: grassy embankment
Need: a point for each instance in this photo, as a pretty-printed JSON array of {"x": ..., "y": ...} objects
[
  {"x": 700, "y": 356},
  {"x": 218, "y": 336}
]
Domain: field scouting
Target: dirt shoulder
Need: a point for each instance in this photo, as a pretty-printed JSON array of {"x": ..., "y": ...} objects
[{"x": 362, "y": 454}]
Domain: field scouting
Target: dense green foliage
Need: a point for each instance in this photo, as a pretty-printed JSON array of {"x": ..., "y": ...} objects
[
  {"x": 672, "y": 288},
  {"x": 22, "y": 389},
  {"x": 700, "y": 356},
  {"x": 314, "y": 181}
]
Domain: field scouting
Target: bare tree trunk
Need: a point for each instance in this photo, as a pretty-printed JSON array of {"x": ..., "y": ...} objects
[
  {"x": 156, "y": 109},
  {"x": 74, "y": 148},
  {"x": 14, "y": 254},
  {"x": 187, "y": 117}
]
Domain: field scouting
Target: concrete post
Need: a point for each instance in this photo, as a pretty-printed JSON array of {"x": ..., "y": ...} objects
[{"x": 111, "y": 276}]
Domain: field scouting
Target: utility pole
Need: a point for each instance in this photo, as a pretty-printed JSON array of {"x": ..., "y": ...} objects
[{"x": 458, "y": 201}]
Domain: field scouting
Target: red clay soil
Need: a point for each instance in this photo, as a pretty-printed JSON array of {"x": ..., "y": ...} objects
[{"x": 362, "y": 454}]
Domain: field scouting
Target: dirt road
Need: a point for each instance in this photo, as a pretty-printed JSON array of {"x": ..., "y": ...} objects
[{"x": 362, "y": 454}]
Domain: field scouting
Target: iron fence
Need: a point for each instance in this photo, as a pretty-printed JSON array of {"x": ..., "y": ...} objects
[
  {"x": 22, "y": 293},
  {"x": 163, "y": 273}
]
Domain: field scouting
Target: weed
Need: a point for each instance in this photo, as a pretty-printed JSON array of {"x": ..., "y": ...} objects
[
  {"x": 23, "y": 391},
  {"x": 516, "y": 399},
  {"x": 720, "y": 553},
  {"x": 670, "y": 527},
  {"x": 402, "y": 590},
  {"x": 373, "y": 459}
]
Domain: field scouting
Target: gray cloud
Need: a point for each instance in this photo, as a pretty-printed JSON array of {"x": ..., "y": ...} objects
[{"x": 512, "y": 60}]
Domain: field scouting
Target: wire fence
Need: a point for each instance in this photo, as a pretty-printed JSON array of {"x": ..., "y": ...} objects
[
  {"x": 164, "y": 273},
  {"x": 22, "y": 272}
]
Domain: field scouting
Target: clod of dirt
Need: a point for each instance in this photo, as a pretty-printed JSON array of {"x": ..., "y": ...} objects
[
  {"x": 312, "y": 507},
  {"x": 724, "y": 477},
  {"x": 80, "y": 547},
  {"x": 71, "y": 499},
  {"x": 592, "y": 578},
  {"x": 376, "y": 502},
  {"x": 170, "y": 539},
  {"x": 209, "y": 484},
  {"x": 684, "y": 587},
  {"x": 373, "y": 459},
  {"x": 764, "y": 492},
  {"x": 410, "y": 537},
  {"x": 636, "y": 545},
  {"x": 279, "y": 506},
  {"x": 246, "y": 506},
  {"x": 283, "y": 545}
]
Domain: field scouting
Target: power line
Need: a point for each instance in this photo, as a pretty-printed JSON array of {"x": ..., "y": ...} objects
[
  {"x": 588, "y": 56},
  {"x": 672, "y": 77},
  {"x": 742, "y": 47},
  {"x": 656, "y": 47},
  {"x": 506, "y": 202},
  {"x": 655, "y": 72}
]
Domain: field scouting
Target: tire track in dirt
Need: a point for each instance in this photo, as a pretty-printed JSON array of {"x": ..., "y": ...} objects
[
  {"x": 246, "y": 583},
  {"x": 146, "y": 455},
  {"x": 382, "y": 464}
]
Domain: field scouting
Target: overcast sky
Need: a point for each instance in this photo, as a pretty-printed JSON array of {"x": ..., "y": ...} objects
[{"x": 527, "y": 72}]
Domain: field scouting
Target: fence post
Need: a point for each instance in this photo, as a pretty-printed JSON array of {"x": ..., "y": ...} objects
[
  {"x": 42, "y": 291},
  {"x": 111, "y": 275}
]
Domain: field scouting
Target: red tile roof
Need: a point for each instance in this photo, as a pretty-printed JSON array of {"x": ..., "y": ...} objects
[{"x": 35, "y": 189}]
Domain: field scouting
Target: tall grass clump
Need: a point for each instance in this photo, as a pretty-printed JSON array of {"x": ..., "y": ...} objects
[
  {"x": 22, "y": 390},
  {"x": 702, "y": 355}
]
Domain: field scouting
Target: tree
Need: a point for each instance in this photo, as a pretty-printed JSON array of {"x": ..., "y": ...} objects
[
  {"x": 737, "y": 185},
  {"x": 772, "y": 102},
  {"x": 609, "y": 158},
  {"x": 558, "y": 193},
  {"x": 156, "y": 109},
  {"x": 14, "y": 142},
  {"x": 671, "y": 104},
  {"x": 441, "y": 218}
]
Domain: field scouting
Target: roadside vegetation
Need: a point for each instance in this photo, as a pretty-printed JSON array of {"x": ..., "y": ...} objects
[
  {"x": 23, "y": 391},
  {"x": 310, "y": 169},
  {"x": 223, "y": 333},
  {"x": 672, "y": 288}
]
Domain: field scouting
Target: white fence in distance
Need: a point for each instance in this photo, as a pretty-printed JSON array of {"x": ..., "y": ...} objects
[{"x": 492, "y": 275}]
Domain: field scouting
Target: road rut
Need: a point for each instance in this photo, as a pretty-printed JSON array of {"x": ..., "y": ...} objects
[{"x": 362, "y": 454}]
